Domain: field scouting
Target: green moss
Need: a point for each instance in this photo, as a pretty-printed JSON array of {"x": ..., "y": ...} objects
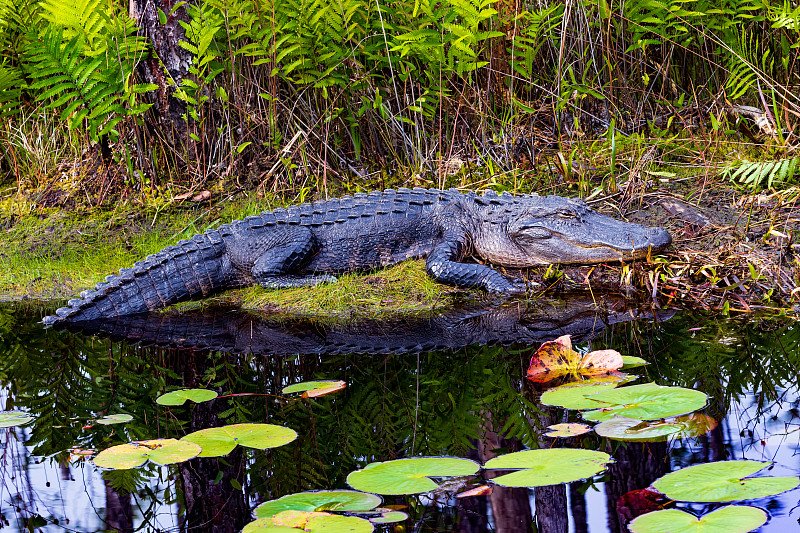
[
  {"x": 57, "y": 256},
  {"x": 400, "y": 288}
]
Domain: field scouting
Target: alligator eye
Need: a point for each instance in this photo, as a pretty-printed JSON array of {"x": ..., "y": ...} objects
[{"x": 567, "y": 214}]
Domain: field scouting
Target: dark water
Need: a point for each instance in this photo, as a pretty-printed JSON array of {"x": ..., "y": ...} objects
[{"x": 450, "y": 384}]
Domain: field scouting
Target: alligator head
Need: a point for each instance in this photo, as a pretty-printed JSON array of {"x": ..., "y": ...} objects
[{"x": 536, "y": 230}]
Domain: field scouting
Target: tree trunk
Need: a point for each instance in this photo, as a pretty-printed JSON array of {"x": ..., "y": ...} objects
[{"x": 167, "y": 65}]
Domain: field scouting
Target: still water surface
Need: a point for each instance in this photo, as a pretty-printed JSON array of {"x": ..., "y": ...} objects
[{"x": 449, "y": 384}]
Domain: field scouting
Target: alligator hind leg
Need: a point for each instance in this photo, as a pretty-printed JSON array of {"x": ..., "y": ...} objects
[{"x": 275, "y": 268}]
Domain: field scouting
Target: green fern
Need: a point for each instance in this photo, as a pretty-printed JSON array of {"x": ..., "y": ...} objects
[
  {"x": 10, "y": 89},
  {"x": 755, "y": 174},
  {"x": 81, "y": 62}
]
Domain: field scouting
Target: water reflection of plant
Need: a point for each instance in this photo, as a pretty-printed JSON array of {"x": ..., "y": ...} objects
[{"x": 394, "y": 406}]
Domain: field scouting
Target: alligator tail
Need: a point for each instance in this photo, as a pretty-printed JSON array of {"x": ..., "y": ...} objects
[{"x": 191, "y": 269}]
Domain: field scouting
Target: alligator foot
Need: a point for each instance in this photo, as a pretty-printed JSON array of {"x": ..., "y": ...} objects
[{"x": 287, "y": 282}]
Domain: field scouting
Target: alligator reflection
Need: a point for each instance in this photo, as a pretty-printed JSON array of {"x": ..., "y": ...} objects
[
  {"x": 225, "y": 330},
  {"x": 404, "y": 398}
]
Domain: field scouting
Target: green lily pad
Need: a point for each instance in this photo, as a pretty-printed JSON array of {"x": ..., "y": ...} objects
[
  {"x": 389, "y": 517},
  {"x": 567, "y": 430},
  {"x": 311, "y": 389},
  {"x": 295, "y": 521},
  {"x": 723, "y": 481},
  {"x": 730, "y": 519},
  {"x": 630, "y": 429},
  {"x": 409, "y": 476},
  {"x": 222, "y": 440},
  {"x": 548, "y": 467},
  {"x": 161, "y": 451},
  {"x": 114, "y": 419},
  {"x": 320, "y": 500},
  {"x": 629, "y": 361},
  {"x": 575, "y": 396},
  {"x": 10, "y": 419},
  {"x": 645, "y": 402},
  {"x": 179, "y": 397}
]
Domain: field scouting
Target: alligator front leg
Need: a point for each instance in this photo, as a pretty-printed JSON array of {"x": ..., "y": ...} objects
[
  {"x": 287, "y": 253},
  {"x": 444, "y": 266}
]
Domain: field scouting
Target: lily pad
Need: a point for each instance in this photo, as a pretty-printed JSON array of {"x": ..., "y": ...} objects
[
  {"x": 548, "y": 467},
  {"x": 389, "y": 517},
  {"x": 161, "y": 451},
  {"x": 567, "y": 430},
  {"x": 722, "y": 481},
  {"x": 312, "y": 389},
  {"x": 114, "y": 419},
  {"x": 179, "y": 397},
  {"x": 409, "y": 476},
  {"x": 556, "y": 358},
  {"x": 730, "y": 519},
  {"x": 629, "y": 429},
  {"x": 10, "y": 419},
  {"x": 320, "y": 500},
  {"x": 574, "y": 396},
  {"x": 216, "y": 442},
  {"x": 645, "y": 402},
  {"x": 629, "y": 361},
  {"x": 294, "y": 521}
]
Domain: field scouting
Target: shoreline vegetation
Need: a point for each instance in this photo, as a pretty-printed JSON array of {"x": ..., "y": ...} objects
[{"x": 126, "y": 128}]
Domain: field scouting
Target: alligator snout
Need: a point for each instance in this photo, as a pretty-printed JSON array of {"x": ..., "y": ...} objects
[{"x": 658, "y": 238}]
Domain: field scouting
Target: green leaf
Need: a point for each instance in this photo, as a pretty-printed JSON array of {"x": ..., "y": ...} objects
[
  {"x": 114, "y": 419},
  {"x": 730, "y": 519},
  {"x": 179, "y": 397},
  {"x": 629, "y": 429},
  {"x": 630, "y": 361},
  {"x": 296, "y": 521},
  {"x": 161, "y": 451},
  {"x": 575, "y": 396},
  {"x": 723, "y": 481},
  {"x": 645, "y": 402},
  {"x": 315, "y": 388},
  {"x": 409, "y": 476},
  {"x": 548, "y": 467},
  {"x": 162, "y": 18},
  {"x": 10, "y": 419},
  {"x": 222, "y": 440},
  {"x": 389, "y": 517},
  {"x": 321, "y": 500}
]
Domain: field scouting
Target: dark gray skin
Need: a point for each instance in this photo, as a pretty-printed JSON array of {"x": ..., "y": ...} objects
[{"x": 307, "y": 244}]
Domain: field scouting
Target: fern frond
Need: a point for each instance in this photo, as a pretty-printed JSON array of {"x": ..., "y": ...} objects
[
  {"x": 758, "y": 174},
  {"x": 10, "y": 82}
]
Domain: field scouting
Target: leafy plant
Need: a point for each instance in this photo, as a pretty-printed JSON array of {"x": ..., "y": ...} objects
[
  {"x": 81, "y": 59},
  {"x": 758, "y": 174}
]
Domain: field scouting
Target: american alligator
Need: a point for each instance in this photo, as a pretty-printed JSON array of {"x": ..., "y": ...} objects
[
  {"x": 522, "y": 323},
  {"x": 307, "y": 244}
]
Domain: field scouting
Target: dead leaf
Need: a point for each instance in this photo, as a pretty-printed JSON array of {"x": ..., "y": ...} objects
[
  {"x": 557, "y": 358},
  {"x": 202, "y": 196},
  {"x": 567, "y": 430},
  {"x": 483, "y": 490}
]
